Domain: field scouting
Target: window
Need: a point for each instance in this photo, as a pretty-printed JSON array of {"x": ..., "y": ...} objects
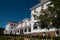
[
  {"x": 35, "y": 17},
  {"x": 18, "y": 31},
  {"x": 11, "y": 24},
  {"x": 29, "y": 29},
  {"x": 25, "y": 30},
  {"x": 14, "y": 25},
  {"x": 35, "y": 11},
  {"x": 35, "y": 26}
]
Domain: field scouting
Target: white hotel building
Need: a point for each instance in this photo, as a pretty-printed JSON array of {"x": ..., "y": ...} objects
[{"x": 30, "y": 26}]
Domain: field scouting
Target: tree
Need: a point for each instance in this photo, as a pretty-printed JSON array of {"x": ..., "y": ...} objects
[
  {"x": 45, "y": 19},
  {"x": 51, "y": 14},
  {"x": 1, "y": 31},
  {"x": 56, "y": 13}
]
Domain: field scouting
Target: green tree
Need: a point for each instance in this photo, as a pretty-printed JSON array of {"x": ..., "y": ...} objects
[
  {"x": 55, "y": 11},
  {"x": 1, "y": 31},
  {"x": 51, "y": 14},
  {"x": 45, "y": 19}
]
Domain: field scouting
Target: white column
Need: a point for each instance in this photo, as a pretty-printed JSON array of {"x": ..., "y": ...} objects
[{"x": 32, "y": 20}]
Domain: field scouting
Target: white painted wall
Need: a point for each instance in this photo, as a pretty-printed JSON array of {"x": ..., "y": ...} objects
[
  {"x": 19, "y": 26},
  {"x": 7, "y": 29}
]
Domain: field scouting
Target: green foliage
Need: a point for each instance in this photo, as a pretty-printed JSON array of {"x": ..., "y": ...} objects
[
  {"x": 56, "y": 38},
  {"x": 45, "y": 19},
  {"x": 21, "y": 38},
  {"x": 56, "y": 3},
  {"x": 51, "y": 14},
  {"x": 55, "y": 11},
  {"x": 1, "y": 31}
]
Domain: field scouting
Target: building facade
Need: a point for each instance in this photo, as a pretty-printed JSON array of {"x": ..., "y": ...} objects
[
  {"x": 31, "y": 26},
  {"x": 23, "y": 27}
]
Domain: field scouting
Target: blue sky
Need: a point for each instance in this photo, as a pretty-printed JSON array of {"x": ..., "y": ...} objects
[{"x": 15, "y": 10}]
